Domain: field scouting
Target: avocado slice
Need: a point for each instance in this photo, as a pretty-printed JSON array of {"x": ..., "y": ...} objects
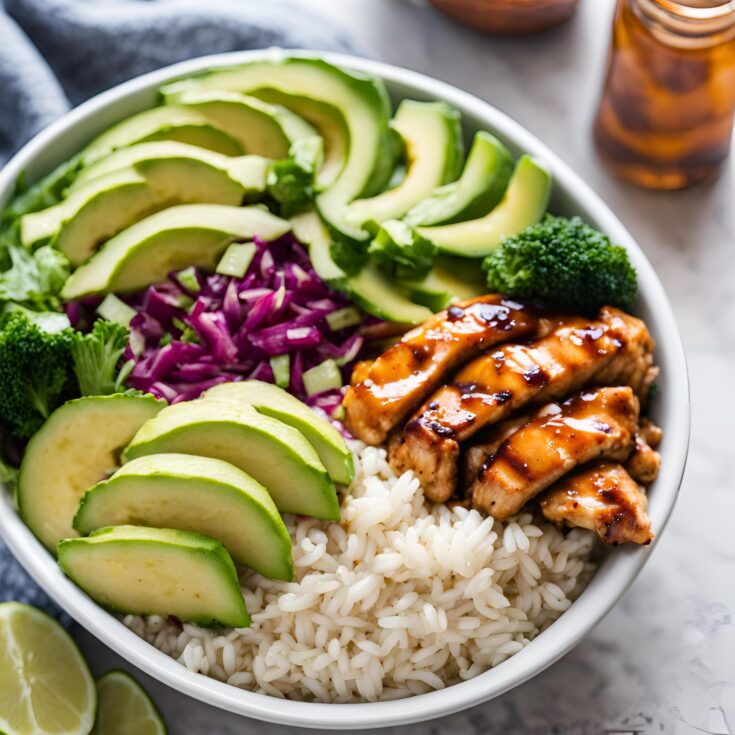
[
  {"x": 170, "y": 122},
  {"x": 484, "y": 180},
  {"x": 362, "y": 102},
  {"x": 370, "y": 288},
  {"x": 309, "y": 230},
  {"x": 440, "y": 287},
  {"x": 152, "y": 571},
  {"x": 432, "y": 136},
  {"x": 324, "y": 118},
  {"x": 276, "y": 455},
  {"x": 190, "y": 234},
  {"x": 523, "y": 205},
  {"x": 373, "y": 292},
  {"x": 104, "y": 206},
  {"x": 199, "y": 494},
  {"x": 327, "y": 121},
  {"x": 74, "y": 449},
  {"x": 149, "y": 159},
  {"x": 270, "y": 400},
  {"x": 260, "y": 127}
]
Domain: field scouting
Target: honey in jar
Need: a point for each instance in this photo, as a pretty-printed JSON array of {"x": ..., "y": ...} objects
[{"x": 666, "y": 115}]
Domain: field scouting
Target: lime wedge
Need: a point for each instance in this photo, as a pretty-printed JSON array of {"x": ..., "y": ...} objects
[
  {"x": 45, "y": 685},
  {"x": 125, "y": 708}
]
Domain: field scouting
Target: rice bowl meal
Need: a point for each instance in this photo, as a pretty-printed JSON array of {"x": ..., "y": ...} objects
[{"x": 328, "y": 422}]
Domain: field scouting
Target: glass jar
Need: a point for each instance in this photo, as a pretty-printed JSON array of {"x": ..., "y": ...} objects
[
  {"x": 508, "y": 16},
  {"x": 666, "y": 115}
]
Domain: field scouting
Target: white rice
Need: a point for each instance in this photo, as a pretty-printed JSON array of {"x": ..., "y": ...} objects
[{"x": 402, "y": 597}]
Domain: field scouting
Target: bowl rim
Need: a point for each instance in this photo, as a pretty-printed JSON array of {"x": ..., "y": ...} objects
[{"x": 607, "y": 585}]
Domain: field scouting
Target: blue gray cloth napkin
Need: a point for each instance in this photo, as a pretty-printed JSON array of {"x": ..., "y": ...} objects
[{"x": 56, "y": 53}]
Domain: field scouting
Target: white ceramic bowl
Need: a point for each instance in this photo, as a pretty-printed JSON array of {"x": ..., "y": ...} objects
[{"x": 619, "y": 569}]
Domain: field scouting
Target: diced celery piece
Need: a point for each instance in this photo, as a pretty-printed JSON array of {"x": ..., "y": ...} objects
[
  {"x": 324, "y": 376},
  {"x": 188, "y": 279},
  {"x": 184, "y": 301},
  {"x": 281, "y": 366},
  {"x": 137, "y": 343},
  {"x": 280, "y": 296},
  {"x": 115, "y": 310},
  {"x": 125, "y": 371},
  {"x": 343, "y": 318},
  {"x": 236, "y": 260}
]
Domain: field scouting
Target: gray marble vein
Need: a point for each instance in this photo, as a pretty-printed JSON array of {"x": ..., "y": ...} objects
[{"x": 663, "y": 660}]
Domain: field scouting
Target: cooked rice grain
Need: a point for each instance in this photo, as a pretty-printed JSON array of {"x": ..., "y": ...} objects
[{"x": 401, "y": 598}]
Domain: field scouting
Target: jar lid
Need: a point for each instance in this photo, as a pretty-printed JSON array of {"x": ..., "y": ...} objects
[
  {"x": 697, "y": 23},
  {"x": 702, "y": 9}
]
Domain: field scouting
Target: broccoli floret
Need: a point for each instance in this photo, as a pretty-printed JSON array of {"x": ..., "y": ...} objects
[
  {"x": 566, "y": 264},
  {"x": 44, "y": 362},
  {"x": 36, "y": 373},
  {"x": 96, "y": 356}
]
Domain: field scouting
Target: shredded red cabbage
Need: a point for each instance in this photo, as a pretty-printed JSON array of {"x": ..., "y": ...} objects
[{"x": 191, "y": 335}]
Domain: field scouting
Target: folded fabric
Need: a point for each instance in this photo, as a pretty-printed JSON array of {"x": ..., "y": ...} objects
[{"x": 57, "y": 53}]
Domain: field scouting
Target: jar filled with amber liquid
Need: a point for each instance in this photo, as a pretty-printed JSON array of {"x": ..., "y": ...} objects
[{"x": 665, "y": 120}]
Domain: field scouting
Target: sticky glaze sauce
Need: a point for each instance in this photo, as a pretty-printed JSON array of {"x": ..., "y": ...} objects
[{"x": 408, "y": 371}]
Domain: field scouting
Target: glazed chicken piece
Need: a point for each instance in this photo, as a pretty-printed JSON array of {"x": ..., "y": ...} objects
[
  {"x": 397, "y": 381},
  {"x": 594, "y": 424},
  {"x": 615, "y": 349},
  {"x": 360, "y": 371},
  {"x": 488, "y": 442},
  {"x": 650, "y": 433},
  {"x": 633, "y": 363},
  {"x": 644, "y": 462},
  {"x": 602, "y": 498}
]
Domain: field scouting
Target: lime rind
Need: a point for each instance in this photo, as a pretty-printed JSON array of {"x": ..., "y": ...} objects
[{"x": 125, "y": 707}]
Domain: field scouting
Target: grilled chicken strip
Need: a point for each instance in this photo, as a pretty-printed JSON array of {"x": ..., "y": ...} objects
[
  {"x": 615, "y": 349},
  {"x": 643, "y": 463},
  {"x": 603, "y": 498},
  {"x": 397, "y": 381},
  {"x": 489, "y": 441},
  {"x": 594, "y": 424}
]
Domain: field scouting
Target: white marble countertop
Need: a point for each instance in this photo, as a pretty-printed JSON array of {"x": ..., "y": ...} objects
[{"x": 664, "y": 659}]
